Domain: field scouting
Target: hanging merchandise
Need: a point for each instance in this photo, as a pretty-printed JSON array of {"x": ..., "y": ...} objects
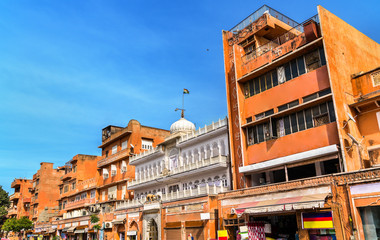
[{"x": 256, "y": 231}]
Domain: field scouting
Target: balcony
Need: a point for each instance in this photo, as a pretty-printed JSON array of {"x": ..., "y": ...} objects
[
  {"x": 114, "y": 157},
  {"x": 68, "y": 176},
  {"x": 79, "y": 204},
  {"x": 12, "y": 211},
  {"x": 26, "y": 200},
  {"x": 278, "y": 46},
  {"x": 366, "y": 86},
  {"x": 146, "y": 155},
  {"x": 201, "y": 131},
  {"x": 15, "y": 183},
  {"x": 210, "y": 164},
  {"x": 172, "y": 196},
  {"x": 14, "y": 196}
]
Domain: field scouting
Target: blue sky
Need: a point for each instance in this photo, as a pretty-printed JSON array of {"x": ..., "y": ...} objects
[{"x": 70, "y": 68}]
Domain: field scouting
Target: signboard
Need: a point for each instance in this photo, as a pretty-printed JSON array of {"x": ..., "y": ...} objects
[
  {"x": 222, "y": 235},
  {"x": 320, "y": 220},
  {"x": 205, "y": 216},
  {"x": 131, "y": 233}
]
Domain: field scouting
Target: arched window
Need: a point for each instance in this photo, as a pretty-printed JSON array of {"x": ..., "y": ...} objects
[
  {"x": 203, "y": 183},
  {"x": 224, "y": 181},
  {"x": 215, "y": 149},
  {"x": 196, "y": 183},
  {"x": 210, "y": 182},
  {"x": 217, "y": 181}
]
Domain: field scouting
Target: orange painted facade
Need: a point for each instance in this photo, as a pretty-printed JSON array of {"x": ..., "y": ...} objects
[
  {"x": 20, "y": 199},
  {"x": 301, "y": 106}
]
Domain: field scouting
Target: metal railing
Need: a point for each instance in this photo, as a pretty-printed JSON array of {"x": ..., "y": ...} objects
[
  {"x": 199, "y": 191},
  {"x": 181, "y": 169},
  {"x": 208, "y": 128},
  {"x": 145, "y": 153},
  {"x": 289, "y": 35},
  {"x": 258, "y": 13},
  {"x": 113, "y": 157},
  {"x": 80, "y": 203}
]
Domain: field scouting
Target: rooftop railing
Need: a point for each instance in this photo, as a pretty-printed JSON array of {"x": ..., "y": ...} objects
[
  {"x": 289, "y": 35},
  {"x": 113, "y": 157},
  {"x": 215, "y": 125},
  {"x": 258, "y": 13}
]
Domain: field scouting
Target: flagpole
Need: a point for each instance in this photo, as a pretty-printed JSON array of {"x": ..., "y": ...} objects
[{"x": 183, "y": 104}]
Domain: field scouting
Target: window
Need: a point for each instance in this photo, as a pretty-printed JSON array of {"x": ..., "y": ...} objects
[
  {"x": 123, "y": 166},
  {"x": 103, "y": 195},
  {"x": 224, "y": 181},
  {"x": 114, "y": 149},
  {"x": 286, "y": 72},
  {"x": 60, "y": 190},
  {"x": 105, "y": 173},
  {"x": 73, "y": 186},
  {"x": 74, "y": 168},
  {"x": 83, "y": 196},
  {"x": 66, "y": 188},
  {"x": 278, "y": 127},
  {"x": 249, "y": 119},
  {"x": 92, "y": 194},
  {"x": 146, "y": 144},
  {"x": 113, "y": 170},
  {"x": 124, "y": 145},
  {"x": 316, "y": 95},
  {"x": 64, "y": 204},
  {"x": 264, "y": 114},
  {"x": 173, "y": 188},
  {"x": 77, "y": 198}
]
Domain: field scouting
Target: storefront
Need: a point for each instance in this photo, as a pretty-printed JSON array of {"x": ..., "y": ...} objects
[
  {"x": 279, "y": 215},
  {"x": 81, "y": 232},
  {"x": 366, "y": 208}
]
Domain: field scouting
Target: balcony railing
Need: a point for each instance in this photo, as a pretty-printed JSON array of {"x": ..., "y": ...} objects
[
  {"x": 12, "y": 211},
  {"x": 272, "y": 46},
  {"x": 258, "y": 13},
  {"x": 80, "y": 203},
  {"x": 146, "y": 153},
  {"x": 113, "y": 157},
  {"x": 218, "y": 160},
  {"x": 15, "y": 195},
  {"x": 220, "y": 123},
  {"x": 173, "y": 196}
]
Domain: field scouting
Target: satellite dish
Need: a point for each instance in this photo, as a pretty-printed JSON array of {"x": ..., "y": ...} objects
[
  {"x": 350, "y": 117},
  {"x": 353, "y": 139}
]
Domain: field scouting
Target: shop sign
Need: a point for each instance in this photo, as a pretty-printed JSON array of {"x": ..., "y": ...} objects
[
  {"x": 222, "y": 235},
  {"x": 131, "y": 233},
  {"x": 205, "y": 216},
  {"x": 320, "y": 220}
]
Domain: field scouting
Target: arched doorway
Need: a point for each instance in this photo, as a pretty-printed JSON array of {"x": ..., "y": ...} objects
[
  {"x": 153, "y": 231},
  {"x": 133, "y": 230}
]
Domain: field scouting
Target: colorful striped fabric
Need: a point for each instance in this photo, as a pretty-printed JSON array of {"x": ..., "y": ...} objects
[{"x": 321, "y": 220}]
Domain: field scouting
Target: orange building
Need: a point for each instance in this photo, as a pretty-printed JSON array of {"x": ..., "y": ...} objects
[
  {"x": 118, "y": 144},
  {"x": 77, "y": 193},
  {"x": 45, "y": 196},
  {"x": 20, "y": 199},
  {"x": 292, "y": 108}
]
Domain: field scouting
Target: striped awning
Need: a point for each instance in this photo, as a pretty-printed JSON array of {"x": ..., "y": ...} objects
[{"x": 282, "y": 204}]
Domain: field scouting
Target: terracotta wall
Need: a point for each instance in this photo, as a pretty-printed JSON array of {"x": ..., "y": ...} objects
[{"x": 346, "y": 54}]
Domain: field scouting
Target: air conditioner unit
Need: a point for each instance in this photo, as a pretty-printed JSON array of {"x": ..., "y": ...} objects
[{"x": 108, "y": 225}]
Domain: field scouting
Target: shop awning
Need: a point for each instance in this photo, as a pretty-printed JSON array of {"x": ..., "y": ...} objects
[
  {"x": 282, "y": 204},
  {"x": 118, "y": 221},
  {"x": 52, "y": 230},
  {"x": 71, "y": 229},
  {"x": 65, "y": 229},
  {"x": 81, "y": 229}
]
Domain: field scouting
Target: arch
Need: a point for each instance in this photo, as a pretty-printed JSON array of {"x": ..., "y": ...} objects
[
  {"x": 222, "y": 148},
  {"x": 202, "y": 153},
  {"x": 133, "y": 226},
  {"x": 196, "y": 155},
  {"x": 152, "y": 230},
  {"x": 217, "y": 181},
  {"x": 210, "y": 182},
  {"x": 215, "y": 149},
  {"x": 208, "y": 151}
]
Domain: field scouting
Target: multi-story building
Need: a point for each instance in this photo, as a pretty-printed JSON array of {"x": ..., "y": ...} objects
[
  {"x": 20, "y": 199},
  {"x": 292, "y": 111},
  {"x": 45, "y": 196},
  {"x": 176, "y": 184},
  {"x": 118, "y": 144},
  {"x": 78, "y": 191}
]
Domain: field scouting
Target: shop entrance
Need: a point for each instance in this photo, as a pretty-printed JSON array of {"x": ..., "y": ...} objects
[{"x": 274, "y": 226}]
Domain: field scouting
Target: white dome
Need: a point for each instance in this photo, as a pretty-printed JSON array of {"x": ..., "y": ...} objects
[{"x": 182, "y": 125}]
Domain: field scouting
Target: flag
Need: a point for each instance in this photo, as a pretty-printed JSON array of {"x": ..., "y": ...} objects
[
  {"x": 317, "y": 220},
  {"x": 185, "y": 91},
  {"x": 222, "y": 235}
]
